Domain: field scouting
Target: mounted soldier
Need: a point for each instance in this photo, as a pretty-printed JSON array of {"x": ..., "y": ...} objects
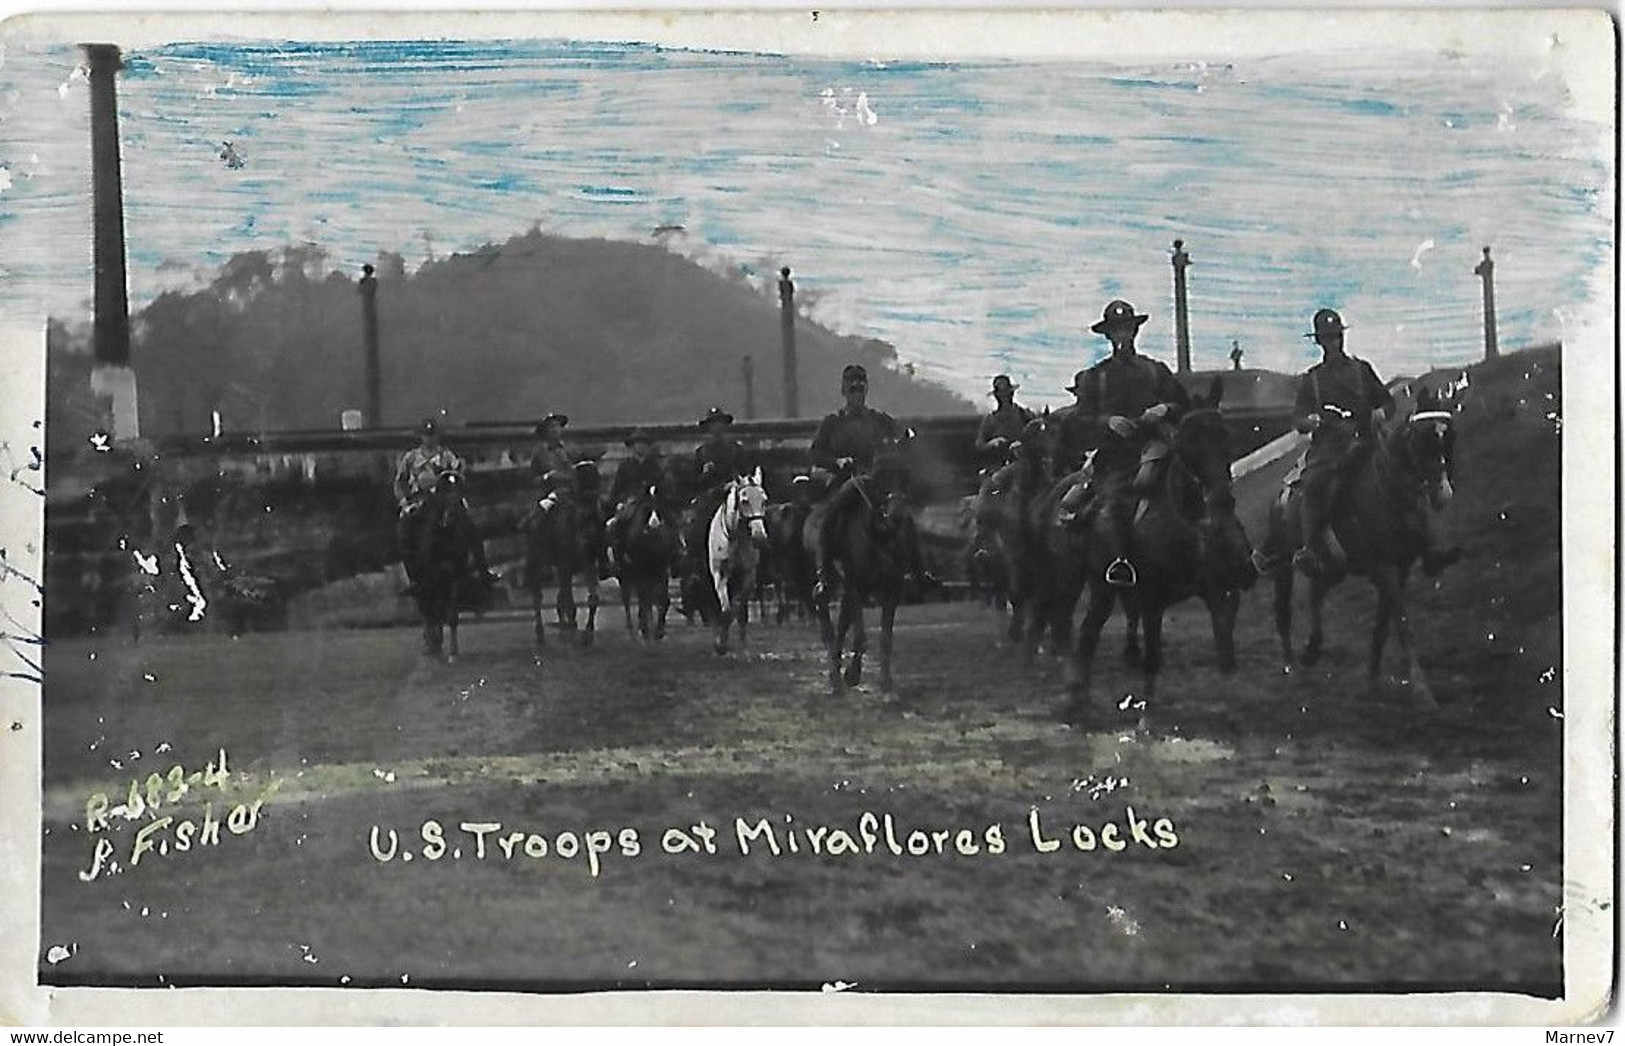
[
  {"x": 1003, "y": 425},
  {"x": 635, "y": 478},
  {"x": 851, "y": 445},
  {"x": 1340, "y": 403},
  {"x": 717, "y": 460},
  {"x": 1127, "y": 407},
  {"x": 417, "y": 475},
  {"x": 552, "y": 460}
]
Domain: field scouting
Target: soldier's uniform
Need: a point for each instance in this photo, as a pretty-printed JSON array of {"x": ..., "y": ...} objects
[
  {"x": 417, "y": 476},
  {"x": 1337, "y": 397},
  {"x": 552, "y": 461},
  {"x": 1001, "y": 426},
  {"x": 717, "y": 461},
  {"x": 635, "y": 477},
  {"x": 859, "y": 436},
  {"x": 1142, "y": 391}
]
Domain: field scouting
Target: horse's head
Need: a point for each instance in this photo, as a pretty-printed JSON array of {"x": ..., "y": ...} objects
[
  {"x": 1427, "y": 445},
  {"x": 747, "y": 506},
  {"x": 1202, "y": 443},
  {"x": 448, "y": 486},
  {"x": 1034, "y": 442}
]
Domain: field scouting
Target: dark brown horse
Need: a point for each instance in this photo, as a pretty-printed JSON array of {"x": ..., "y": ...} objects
[
  {"x": 446, "y": 580},
  {"x": 870, "y": 555},
  {"x": 788, "y": 562},
  {"x": 1186, "y": 542},
  {"x": 1013, "y": 536},
  {"x": 644, "y": 555},
  {"x": 562, "y": 534},
  {"x": 1379, "y": 527}
]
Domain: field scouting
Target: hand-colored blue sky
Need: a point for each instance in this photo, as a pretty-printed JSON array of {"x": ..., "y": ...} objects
[{"x": 977, "y": 215}]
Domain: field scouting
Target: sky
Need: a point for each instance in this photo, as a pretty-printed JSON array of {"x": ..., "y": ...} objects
[{"x": 976, "y": 214}]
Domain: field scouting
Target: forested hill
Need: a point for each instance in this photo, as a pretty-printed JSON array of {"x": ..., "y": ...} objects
[{"x": 603, "y": 331}]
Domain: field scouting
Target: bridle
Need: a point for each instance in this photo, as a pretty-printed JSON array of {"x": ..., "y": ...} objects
[{"x": 736, "y": 514}]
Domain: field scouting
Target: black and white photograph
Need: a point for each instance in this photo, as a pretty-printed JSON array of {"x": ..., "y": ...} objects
[{"x": 1108, "y": 516}]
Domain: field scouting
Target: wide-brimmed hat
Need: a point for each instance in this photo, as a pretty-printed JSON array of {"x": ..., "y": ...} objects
[
  {"x": 1118, "y": 315},
  {"x": 1077, "y": 381},
  {"x": 1326, "y": 321},
  {"x": 716, "y": 414},
  {"x": 851, "y": 371},
  {"x": 1002, "y": 383},
  {"x": 561, "y": 420},
  {"x": 639, "y": 435}
]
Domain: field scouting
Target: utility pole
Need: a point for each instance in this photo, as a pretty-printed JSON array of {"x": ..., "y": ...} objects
[
  {"x": 787, "y": 328},
  {"x": 1485, "y": 270},
  {"x": 369, "y": 335},
  {"x": 112, "y": 378},
  {"x": 1182, "y": 323},
  {"x": 749, "y": 367}
]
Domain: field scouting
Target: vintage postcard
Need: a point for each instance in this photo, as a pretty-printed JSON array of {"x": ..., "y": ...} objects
[{"x": 1072, "y": 517}]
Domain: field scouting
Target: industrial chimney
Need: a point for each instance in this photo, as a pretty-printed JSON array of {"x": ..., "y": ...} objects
[{"x": 113, "y": 380}]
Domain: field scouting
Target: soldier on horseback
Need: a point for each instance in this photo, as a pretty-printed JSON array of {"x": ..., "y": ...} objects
[
  {"x": 1340, "y": 401},
  {"x": 417, "y": 475},
  {"x": 635, "y": 477},
  {"x": 552, "y": 460},
  {"x": 1127, "y": 407},
  {"x": 717, "y": 460},
  {"x": 1003, "y": 425},
  {"x": 850, "y": 444}
]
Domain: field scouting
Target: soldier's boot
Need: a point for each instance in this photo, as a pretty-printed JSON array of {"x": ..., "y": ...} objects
[
  {"x": 828, "y": 528},
  {"x": 1314, "y": 559},
  {"x": 1120, "y": 572},
  {"x": 476, "y": 547},
  {"x": 1072, "y": 504}
]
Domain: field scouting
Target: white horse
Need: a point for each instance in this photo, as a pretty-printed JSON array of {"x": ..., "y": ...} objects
[{"x": 734, "y": 550}]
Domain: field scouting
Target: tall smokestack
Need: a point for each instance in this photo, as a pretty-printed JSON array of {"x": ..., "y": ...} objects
[
  {"x": 112, "y": 377},
  {"x": 369, "y": 335},
  {"x": 1485, "y": 270},
  {"x": 1182, "y": 322},
  {"x": 787, "y": 326}
]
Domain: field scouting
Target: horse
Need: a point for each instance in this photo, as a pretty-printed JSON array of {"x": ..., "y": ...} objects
[
  {"x": 734, "y": 547},
  {"x": 1187, "y": 543},
  {"x": 446, "y": 581},
  {"x": 1380, "y": 531},
  {"x": 788, "y": 563},
  {"x": 984, "y": 574},
  {"x": 1012, "y": 540},
  {"x": 869, "y": 555},
  {"x": 646, "y": 550},
  {"x": 561, "y": 534}
]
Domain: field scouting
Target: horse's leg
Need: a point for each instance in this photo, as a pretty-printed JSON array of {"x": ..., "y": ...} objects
[
  {"x": 744, "y": 621},
  {"x": 591, "y": 578},
  {"x": 627, "y": 591},
  {"x": 725, "y": 608},
  {"x": 888, "y": 617},
  {"x": 536, "y": 615},
  {"x": 837, "y": 641},
  {"x": 1083, "y": 659},
  {"x": 1221, "y": 609},
  {"x": 661, "y": 592},
  {"x": 1420, "y": 689},
  {"x": 860, "y": 643},
  {"x": 1132, "y": 653},
  {"x": 1283, "y": 612},
  {"x": 1151, "y": 665},
  {"x": 1317, "y": 632},
  {"x": 567, "y": 599},
  {"x": 451, "y": 625}
]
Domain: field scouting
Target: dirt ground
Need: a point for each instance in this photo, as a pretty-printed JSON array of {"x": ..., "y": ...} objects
[{"x": 1322, "y": 838}]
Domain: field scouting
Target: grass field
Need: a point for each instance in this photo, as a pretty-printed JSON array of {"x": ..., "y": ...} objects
[{"x": 1324, "y": 837}]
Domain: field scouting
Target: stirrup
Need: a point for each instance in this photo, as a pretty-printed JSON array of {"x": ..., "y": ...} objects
[
  {"x": 1308, "y": 563},
  {"x": 1122, "y": 573}
]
